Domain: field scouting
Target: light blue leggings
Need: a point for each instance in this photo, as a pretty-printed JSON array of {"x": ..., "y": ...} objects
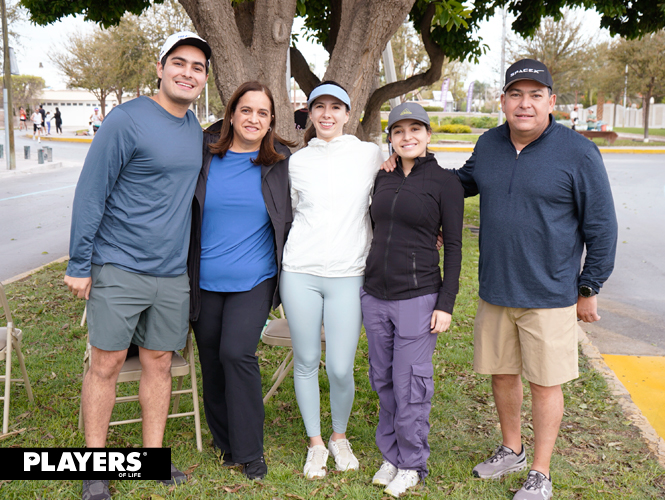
[{"x": 307, "y": 301}]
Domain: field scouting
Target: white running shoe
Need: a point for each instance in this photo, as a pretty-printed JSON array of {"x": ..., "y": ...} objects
[
  {"x": 385, "y": 474},
  {"x": 315, "y": 465},
  {"x": 404, "y": 480},
  {"x": 343, "y": 454}
]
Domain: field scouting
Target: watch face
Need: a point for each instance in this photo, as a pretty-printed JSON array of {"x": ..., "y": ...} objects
[{"x": 585, "y": 291}]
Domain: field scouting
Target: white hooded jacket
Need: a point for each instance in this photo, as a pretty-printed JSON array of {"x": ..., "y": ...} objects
[{"x": 331, "y": 186}]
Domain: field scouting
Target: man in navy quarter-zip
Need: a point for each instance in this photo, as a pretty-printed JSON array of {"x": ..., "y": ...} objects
[{"x": 544, "y": 198}]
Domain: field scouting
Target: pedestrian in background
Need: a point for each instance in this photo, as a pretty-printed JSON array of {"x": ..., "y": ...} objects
[
  {"x": 36, "y": 125},
  {"x": 58, "y": 121}
]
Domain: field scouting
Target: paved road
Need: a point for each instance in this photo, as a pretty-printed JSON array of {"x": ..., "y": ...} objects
[
  {"x": 632, "y": 303},
  {"x": 35, "y": 209}
]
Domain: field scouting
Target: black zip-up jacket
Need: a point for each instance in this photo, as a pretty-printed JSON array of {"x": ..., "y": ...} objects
[
  {"x": 277, "y": 197},
  {"x": 407, "y": 212}
]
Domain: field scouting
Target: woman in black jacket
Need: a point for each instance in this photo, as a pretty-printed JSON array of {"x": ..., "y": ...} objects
[
  {"x": 405, "y": 303},
  {"x": 241, "y": 216}
]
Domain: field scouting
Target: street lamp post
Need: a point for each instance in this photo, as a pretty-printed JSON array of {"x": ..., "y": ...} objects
[{"x": 7, "y": 94}]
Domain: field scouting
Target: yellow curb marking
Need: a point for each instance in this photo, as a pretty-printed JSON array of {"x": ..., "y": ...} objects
[{"x": 644, "y": 378}]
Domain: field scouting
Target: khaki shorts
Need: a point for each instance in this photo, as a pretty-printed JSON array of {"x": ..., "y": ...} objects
[
  {"x": 540, "y": 344},
  {"x": 128, "y": 308}
]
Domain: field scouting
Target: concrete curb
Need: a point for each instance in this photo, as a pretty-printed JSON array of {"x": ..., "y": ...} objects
[
  {"x": 62, "y": 139},
  {"x": 19, "y": 277},
  {"x": 655, "y": 443}
]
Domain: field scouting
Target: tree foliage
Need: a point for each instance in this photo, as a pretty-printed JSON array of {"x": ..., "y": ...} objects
[
  {"x": 26, "y": 90},
  {"x": 645, "y": 59},
  {"x": 250, "y": 39},
  {"x": 564, "y": 47},
  {"x": 85, "y": 63}
]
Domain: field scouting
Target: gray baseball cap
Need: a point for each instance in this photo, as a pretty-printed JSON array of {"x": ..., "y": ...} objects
[{"x": 407, "y": 111}]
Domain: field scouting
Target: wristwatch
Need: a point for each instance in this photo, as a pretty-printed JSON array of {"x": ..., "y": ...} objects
[{"x": 586, "y": 291}]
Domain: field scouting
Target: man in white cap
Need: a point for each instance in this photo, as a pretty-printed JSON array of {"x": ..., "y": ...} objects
[
  {"x": 129, "y": 240},
  {"x": 544, "y": 198}
]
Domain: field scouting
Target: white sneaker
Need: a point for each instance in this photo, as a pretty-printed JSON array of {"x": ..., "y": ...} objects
[
  {"x": 404, "y": 480},
  {"x": 385, "y": 474},
  {"x": 315, "y": 465},
  {"x": 343, "y": 454}
]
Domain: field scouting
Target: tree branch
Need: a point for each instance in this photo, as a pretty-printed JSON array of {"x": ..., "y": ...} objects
[
  {"x": 301, "y": 72},
  {"x": 391, "y": 90},
  {"x": 335, "y": 22}
]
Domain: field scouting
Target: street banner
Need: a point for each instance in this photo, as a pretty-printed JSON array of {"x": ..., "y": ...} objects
[{"x": 469, "y": 97}]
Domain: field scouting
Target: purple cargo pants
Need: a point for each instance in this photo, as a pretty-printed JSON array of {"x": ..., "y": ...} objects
[{"x": 401, "y": 372}]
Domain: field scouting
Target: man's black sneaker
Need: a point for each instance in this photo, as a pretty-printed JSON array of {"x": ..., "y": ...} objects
[
  {"x": 177, "y": 477},
  {"x": 256, "y": 469},
  {"x": 95, "y": 489}
]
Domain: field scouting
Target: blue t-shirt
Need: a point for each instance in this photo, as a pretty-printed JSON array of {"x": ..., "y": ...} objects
[
  {"x": 237, "y": 238},
  {"x": 133, "y": 201}
]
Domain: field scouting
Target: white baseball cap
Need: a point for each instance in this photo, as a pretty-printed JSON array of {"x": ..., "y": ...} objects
[{"x": 184, "y": 38}]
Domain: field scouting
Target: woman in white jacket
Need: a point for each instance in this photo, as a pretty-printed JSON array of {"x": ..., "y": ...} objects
[{"x": 323, "y": 267}]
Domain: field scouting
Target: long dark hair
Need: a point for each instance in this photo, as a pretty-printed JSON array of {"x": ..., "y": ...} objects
[
  {"x": 267, "y": 153},
  {"x": 310, "y": 133}
]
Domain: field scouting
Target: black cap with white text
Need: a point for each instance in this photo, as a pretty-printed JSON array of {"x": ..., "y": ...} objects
[{"x": 528, "y": 69}]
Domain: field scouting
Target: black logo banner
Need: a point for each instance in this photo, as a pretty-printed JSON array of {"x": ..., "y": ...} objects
[{"x": 85, "y": 463}]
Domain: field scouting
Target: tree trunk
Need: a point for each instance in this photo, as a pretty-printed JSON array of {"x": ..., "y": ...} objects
[
  {"x": 240, "y": 57},
  {"x": 365, "y": 28},
  {"x": 647, "y": 108},
  {"x": 250, "y": 42},
  {"x": 372, "y": 119}
]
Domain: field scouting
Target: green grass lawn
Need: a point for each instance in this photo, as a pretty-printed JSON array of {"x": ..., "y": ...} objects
[
  {"x": 640, "y": 130},
  {"x": 599, "y": 454}
]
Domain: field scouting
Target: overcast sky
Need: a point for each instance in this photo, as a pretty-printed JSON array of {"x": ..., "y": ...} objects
[{"x": 37, "y": 42}]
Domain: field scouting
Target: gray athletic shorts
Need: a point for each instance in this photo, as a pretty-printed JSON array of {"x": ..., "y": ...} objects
[{"x": 127, "y": 308}]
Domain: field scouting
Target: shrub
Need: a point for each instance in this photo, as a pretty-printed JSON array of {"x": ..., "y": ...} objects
[
  {"x": 561, "y": 115},
  {"x": 432, "y": 108},
  {"x": 458, "y": 120},
  {"x": 453, "y": 129},
  {"x": 483, "y": 122},
  {"x": 384, "y": 124}
]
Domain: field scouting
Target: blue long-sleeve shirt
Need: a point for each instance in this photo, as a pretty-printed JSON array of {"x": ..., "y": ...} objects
[
  {"x": 132, "y": 206},
  {"x": 539, "y": 209}
]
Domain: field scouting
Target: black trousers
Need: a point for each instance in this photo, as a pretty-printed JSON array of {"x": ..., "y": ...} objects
[{"x": 227, "y": 334}]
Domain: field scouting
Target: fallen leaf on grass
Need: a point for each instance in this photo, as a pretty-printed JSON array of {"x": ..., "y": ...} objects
[
  {"x": 314, "y": 492},
  {"x": 291, "y": 495},
  {"x": 191, "y": 469},
  {"x": 13, "y": 433},
  {"x": 616, "y": 443},
  {"x": 156, "y": 497}
]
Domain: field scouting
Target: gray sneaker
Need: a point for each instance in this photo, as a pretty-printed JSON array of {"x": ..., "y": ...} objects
[
  {"x": 536, "y": 487},
  {"x": 504, "y": 461},
  {"x": 95, "y": 489}
]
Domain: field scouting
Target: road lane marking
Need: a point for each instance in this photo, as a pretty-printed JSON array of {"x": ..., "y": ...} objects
[
  {"x": 644, "y": 378},
  {"x": 37, "y": 192}
]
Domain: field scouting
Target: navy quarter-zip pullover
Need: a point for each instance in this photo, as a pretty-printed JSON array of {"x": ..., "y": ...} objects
[{"x": 539, "y": 209}]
